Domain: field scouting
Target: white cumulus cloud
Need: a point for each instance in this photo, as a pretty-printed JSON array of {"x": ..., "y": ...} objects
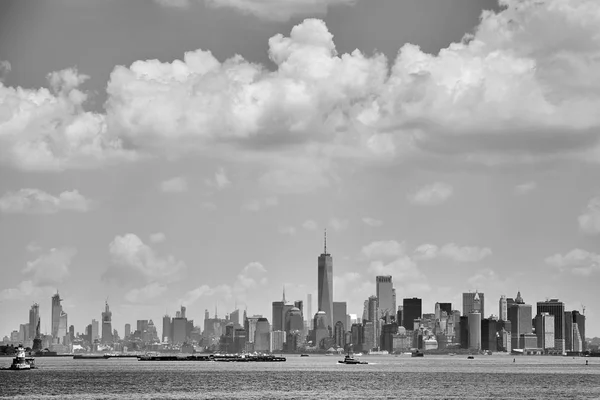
[
  {"x": 577, "y": 261},
  {"x": 372, "y": 222},
  {"x": 158, "y": 237},
  {"x": 431, "y": 195},
  {"x": 36, "y": 201},
  {"x": 339, "y": 224},
  {"x": 145, "y": 294},
  {"x": 589, "y": 221},
  {"x": 452, "y": 251},
  {"x": 128, "y": 251},
  {"x": 51, "y": 267}
]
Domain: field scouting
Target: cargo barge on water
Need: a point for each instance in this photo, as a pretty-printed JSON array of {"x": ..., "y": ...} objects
[{"x": 214, "y": 357}]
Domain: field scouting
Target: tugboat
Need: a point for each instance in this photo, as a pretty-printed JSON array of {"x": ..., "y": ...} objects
[
  {"x": 21, "y": 362},
  {"x": 351, "y": 360}
]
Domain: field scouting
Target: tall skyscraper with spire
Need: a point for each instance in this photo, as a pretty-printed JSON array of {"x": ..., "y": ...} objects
[
  {"x": 107, "y": 333},
  {"x": 56, "y": 312},
  {"x": 325, "y": 284},
  {"x": 34, "y": 319}
]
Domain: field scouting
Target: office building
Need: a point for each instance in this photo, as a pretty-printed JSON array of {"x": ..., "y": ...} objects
[
  {"x": 325, "y": 285},
  {"x": 34, "y": 319},
  {"x": 489, "y": 331},
  {"x": 277, "y": 340},
  {"x": 441, "y": 307},
  {"x": 309, "y": 313},
  {"x": 167, "y": 330},
  {"x": 474, "y": 322},
  {"x": 385, "y": 295},
  {"x": 412, "y": 309},
  {"x": 557, "y": 309},
  {"x": 339, "y": 313},
  {"x": 127, "y": 330},
  {"x": 56, "y": 312},
  {"x": 544, "y": 330},
  {"x": 95, "y": 330},
  {"x": 180, "y": 328},
  {"x": 520, "y": 317},
  {"x": 262, "y": 335},
  {"x": 293, "y": 320},
  {"x": 321, "y": 330},
  {"x": 107, "y": 333},
  {"x": 503, "y": 309},
  {"x": 470, "y": 304},
  {"x": 579, "y": 320}
]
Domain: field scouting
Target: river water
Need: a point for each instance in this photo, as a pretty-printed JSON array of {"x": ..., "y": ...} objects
[{"x": 385, "y": 377}]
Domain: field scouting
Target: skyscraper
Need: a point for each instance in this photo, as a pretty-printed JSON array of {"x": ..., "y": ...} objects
[
  {"x": 56, "y": 310},
  {"x": 556, "y": 308},
  {"x": 325, "y": 285},
  {"x": 127, "y": 330},
  {"x": 107, "y": 333},
  {"x": 519, "y": 315},
  {"x": 34, "y": 317},
  {"x": 385, "y": 295},
  {"x": 309, "y": 313},
  {"x": 503, "y": 309},
  {"x": 468, "y": 303},
  {"x": 412, "y": 309}
]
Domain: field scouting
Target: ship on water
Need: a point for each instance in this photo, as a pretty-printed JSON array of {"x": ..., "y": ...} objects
[{"x": 21, "y": 361}]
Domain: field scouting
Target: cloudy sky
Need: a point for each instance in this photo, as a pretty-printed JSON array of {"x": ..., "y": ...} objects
[{"x": 169, "y": 152}]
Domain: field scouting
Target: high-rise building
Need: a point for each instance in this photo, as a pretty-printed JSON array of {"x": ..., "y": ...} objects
[
  {"x": 556, "y": 308},
  {"x": 544, "y": 330},
  {"x": 579, "y": 320},
  {"x": 412, "y": 309},
  {"x": 325, "y": 285},
  {"x": 234, "y": 317},
  {"x": 385, "y": 295},
  {"x": 56, "y": 311},
  {"x": 107, "y": 333},
  {"x": 469, "y": 303},
  {"x": 277, "y": 315},
  {"x": 127, "y": 330},
  {"x": 519, "y": 314},
  {"x": 440, "y": 307},
  {"x": 568, "y": 331},
  {"x": 474, "y": 321},
  {"x": 180, "y": 329},
  {"x": 183, "y": 312},
  {"x": 34, "y": 318},
  {"x": 309, "y": 313},
  {"x": 503, "y": 309},
  {"x": 167, "y": 330},
  {"x": 262, "y": 335},
  {"x": 293, "y": 320},
  {"x": 489, "y": 340},
  {"x": 95, "y": 331},
  {"x": 339, "y": 314},
  {"x": 250, "y": 326}
]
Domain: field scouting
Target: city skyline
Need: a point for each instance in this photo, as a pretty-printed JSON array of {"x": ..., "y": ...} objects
[{"x": 159, "y": 169}]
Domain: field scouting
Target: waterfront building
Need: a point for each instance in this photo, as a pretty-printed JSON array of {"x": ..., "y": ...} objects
[
  {"x": 474, "y": 322},
  {"x": 557, "y": 309},
  {"x": 180, "y": 328},
  {"x": 568, "y": 331},
  {"x": 544, "y": 330},
  {"x": 399, "y": 316},
  {"x": 277, "y": 340},
  {"x": 250, "y": 326},
  {"x": 309, "y": 313},
  {"x": 369, "y": 341},
  {"x": 167, "y": 330},
  {"x": 503, "y": 309},
  {"x": 107, "y": 336},
  {"x": 387, "y": 336},
  {"x": 463, "y": 332},
  {"x": 577, "y": 339},
  {"x": 489, "y": 339},
  {"x": 357, "y": 338},
  {"x": 402, "y": 340},
  {"x": 412, "y": 309},
  {"x": 127, "y": 330},
  {"x": 56, "y": 312},
  {"x": 34, "y": 319},
  {"x": 579, "y": 320},
  {"x": 374, "y": 317},
  {"x": 385, "y": 296},
  {"x": 294, "y": 320},
  {"x": 95, "y": 331},
  {"x": 470, "y": 304},
  {"x": 519, "y": 314},
  {"x": 262, "y": 335},
  {"x": 325, "y": 285},
  {"x": 340, "y": 314},
  {"x": 321, "y": 330}
]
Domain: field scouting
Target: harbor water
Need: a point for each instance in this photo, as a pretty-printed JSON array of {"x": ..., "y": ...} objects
[{"x": 385, "y": 377}]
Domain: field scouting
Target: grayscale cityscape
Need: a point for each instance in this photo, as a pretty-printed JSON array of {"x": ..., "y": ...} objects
[{"x": 299, "y": 199}]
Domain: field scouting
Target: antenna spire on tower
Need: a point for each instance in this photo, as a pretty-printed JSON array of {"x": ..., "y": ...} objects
[
  {"x": 283, "y": 294},
  {"x": 325, "y": 242}
]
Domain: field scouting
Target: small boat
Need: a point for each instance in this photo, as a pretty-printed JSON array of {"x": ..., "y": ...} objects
[
  {"x": 470, "y": 358},
  {"x": 416, "y": 353},
  {"x": 22, "y": 362},
  {"x": 351, "y": 360},
  {"x": 303, "y": 355}
]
